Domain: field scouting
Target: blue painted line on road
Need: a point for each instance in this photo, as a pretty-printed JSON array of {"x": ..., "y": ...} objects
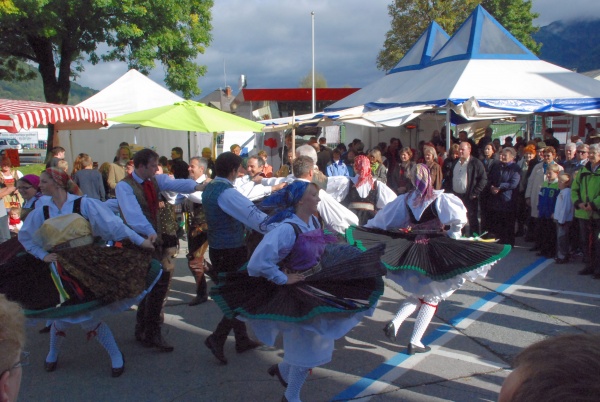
[{"x": 361, "y": 385}]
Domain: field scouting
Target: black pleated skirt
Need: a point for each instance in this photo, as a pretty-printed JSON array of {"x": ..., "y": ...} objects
[{"x": 350, "y": 282}]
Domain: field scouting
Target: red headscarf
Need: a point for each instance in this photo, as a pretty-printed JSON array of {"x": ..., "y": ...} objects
[
  {"x": 362, "y": 167},
  {"x": 62, "y": 180}
]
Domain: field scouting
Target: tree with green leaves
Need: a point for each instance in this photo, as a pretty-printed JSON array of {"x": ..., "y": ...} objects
[
  {"x": 57, "y": 35},
  {"x": 320, "y": 81},
  {"x": 410, "y": 18}
]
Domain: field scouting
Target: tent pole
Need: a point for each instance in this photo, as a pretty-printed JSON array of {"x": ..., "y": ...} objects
[
  {"x": 70, "y": 142},
  {"x": 214, "y": 145},
  {"x": 448, "y": 136},
  {"x": 293, "y": 134},
  {"x": 189, "y": 148}
]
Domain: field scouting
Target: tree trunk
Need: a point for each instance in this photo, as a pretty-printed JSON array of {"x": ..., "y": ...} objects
[{"x": 56, "y": 89}]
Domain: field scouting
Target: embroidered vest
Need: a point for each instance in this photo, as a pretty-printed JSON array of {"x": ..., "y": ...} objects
[{"x": 224, "y": 231}]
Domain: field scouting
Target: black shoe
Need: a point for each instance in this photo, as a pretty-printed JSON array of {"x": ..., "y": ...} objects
[
  {"x": 596, "y": 275},
  {"x": 274, "y": 371},
  {"x": 390, "y": 332},
  {"x": 50, "y": 366},
  {"x": 217, "y": 350},
  {"x": 245, "y": 345},
  {"x": 561, "y": 260},
  {"x": 116, "y": 372},
  {"x": 157, "y": 341},
  {"x": 412, "y": 349},
  {"x": 45, "y": 330},
  {"x": 586, "y": 271},
  {"x": 198, "y": 300},
  {"x": 534, "y": 248}
]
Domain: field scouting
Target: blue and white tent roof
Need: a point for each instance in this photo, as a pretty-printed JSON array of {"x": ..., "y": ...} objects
[
  {"x": 482, "y": 37},
  {"x": 482, "y": 63},
  {"x": 429, "y": 43}
]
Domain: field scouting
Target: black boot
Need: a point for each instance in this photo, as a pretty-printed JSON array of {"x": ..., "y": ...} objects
[
  {"x": 152, "y": 313},
  {"x": 201, "y": 291},
  {"x": 154, "y": 339},
  {"x": 216, "y": 341},
  {"x": 243, "y": 342}
]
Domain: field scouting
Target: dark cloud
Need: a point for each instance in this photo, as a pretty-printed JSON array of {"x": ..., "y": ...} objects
[
  {"x": 554, "y": 10},
  {"x": 269, "y": 41}
]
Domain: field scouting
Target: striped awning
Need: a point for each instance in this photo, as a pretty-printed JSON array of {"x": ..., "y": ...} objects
[{"x": 16, "y": 115}]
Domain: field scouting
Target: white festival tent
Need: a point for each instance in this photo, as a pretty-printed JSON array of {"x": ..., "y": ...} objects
[
  {"x": 481, "y": 72},
  {"x": 130, "y": 93},
  {"x": 429, "y": 43}
]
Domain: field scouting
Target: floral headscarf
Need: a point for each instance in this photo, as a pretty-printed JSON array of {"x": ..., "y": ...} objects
[
  {"x": 62, "y": 179},
  {"x": 362, "y": 168},
  {"x": 422, "y": 182},
  {"x": 282, "y": 203}
]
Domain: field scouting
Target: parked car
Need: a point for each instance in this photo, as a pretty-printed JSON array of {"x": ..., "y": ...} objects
[{"x": 10, "y": 143}]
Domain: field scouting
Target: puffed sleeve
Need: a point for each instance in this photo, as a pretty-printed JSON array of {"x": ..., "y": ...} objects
[
  {"x": 273, "y": 248},
  {"x": 451, "y": 211},
  {"x": 393, "y": 216},
  {"x": 106, "y": 224},
  {"x": 335, "y": 215}
]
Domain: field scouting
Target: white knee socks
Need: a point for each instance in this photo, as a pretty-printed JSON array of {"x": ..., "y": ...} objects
[
  {"x": 284, "y": 370},
  {"x": 423, "y": 319},
  {"x": 57, "y": 336},
  {"x": 406, "y": 309},
  {"x": 104, "y": 336},
  {"x": 296, "y": 378}
]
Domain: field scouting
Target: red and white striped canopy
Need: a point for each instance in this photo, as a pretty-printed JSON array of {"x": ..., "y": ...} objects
[{"x": 17, "y": 114}]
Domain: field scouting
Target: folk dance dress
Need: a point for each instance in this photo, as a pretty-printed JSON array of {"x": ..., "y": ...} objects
[
  {"x": 341, "y": 286},
  {"x": 420, "y": 257},
  {"x": 91, "y": 279},
  {"x": 428, "y": 263}
]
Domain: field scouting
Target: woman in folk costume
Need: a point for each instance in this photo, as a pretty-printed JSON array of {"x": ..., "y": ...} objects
[
  {"x": 366, "y": 196},
  {"x": 426, "y": 261},
  {"x": 28, "y": 187},
  {"x": 107, "y": 279},
  {"x": 303, "y": 284}
]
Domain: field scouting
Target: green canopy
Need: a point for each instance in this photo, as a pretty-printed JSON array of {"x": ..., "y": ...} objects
[{"x": 189, "y": 116}]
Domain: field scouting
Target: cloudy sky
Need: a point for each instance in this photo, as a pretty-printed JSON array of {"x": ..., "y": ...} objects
[{"x": 269, "y": 41}]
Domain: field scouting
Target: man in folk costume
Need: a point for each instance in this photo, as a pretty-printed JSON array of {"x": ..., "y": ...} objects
[
  {"x": 250, "y": 185},
  {"x": 227, "y": 211},
  {"x": 137, "y": 195},
  {"x": 197, "y": 230},
  {"x": 335, "y": 216}
]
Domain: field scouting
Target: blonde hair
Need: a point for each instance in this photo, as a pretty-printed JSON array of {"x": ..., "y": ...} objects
[
  {"x": 565, "y": 178},
  {"x": 430, "y": 150},
  {"x": 12, "y": 332},
  {"x": 376, "y": 154},
  {"x": 63, "y": 165},
  {"x": 555, "y": 167},
  {"x": 86, "y": 161}
]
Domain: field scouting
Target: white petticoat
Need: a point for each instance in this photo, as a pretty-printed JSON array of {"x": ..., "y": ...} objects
[
  {"x": 97, "y": 314},
  {"x": 307, "y": 344},
  {"x": 422, "y": 286}
]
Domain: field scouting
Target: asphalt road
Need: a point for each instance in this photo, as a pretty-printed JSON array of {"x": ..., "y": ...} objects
[{"x": 474, "y": 336}]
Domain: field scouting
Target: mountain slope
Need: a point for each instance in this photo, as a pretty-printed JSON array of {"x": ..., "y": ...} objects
[
  {"x": 33, "y": 90},
  {"x": 572, "y": 44}
]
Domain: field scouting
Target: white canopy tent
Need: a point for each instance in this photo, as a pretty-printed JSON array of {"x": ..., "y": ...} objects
[
  {"x": 485, "y": 63},
  {"x": 130, "y": 93},
  {"x": 481, "y": 72}
]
